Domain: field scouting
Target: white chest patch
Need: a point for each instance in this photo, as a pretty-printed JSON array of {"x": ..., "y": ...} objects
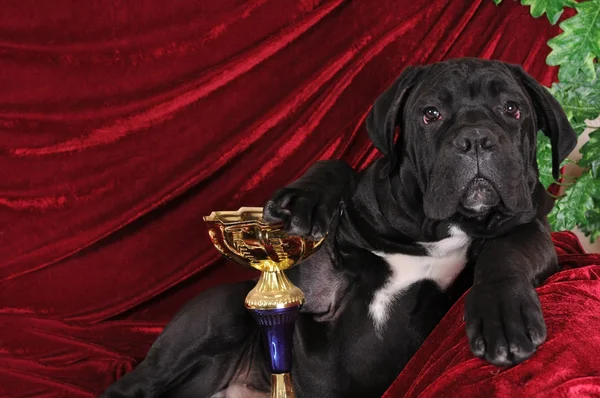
[{"x": 445, "y": 260}]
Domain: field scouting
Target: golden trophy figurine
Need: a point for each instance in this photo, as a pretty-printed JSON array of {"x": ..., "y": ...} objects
[{"x": 243, "y": 237}]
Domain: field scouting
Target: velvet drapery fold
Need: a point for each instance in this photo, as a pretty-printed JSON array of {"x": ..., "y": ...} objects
[{"x": 123, "y": 123}]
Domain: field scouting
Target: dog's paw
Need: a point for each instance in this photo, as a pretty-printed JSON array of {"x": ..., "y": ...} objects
[
  {"x": 306, "y": 211},
  {"x": 504, "y": 322}
]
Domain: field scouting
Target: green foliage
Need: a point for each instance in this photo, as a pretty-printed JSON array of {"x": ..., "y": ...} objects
[
  {"x": 592, "y": 228},
  {"x": 579, "y": 97},
  {"x": 576, "y": 48},
  {"x": 578, "y": 91},
  {"x": 544, "y": 159},
  {"x": 590, "y": 155},
  {"x": 576, "y": 52},
  {"x": 552, "y": 8},
  {"x": 572, "y": 209}
]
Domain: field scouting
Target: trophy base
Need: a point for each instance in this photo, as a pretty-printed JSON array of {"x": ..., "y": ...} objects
[
  {"x": 281, "y": 386},
  {"x": 272, "y": 291}
]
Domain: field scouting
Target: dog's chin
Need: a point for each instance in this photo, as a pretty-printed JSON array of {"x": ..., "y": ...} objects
[{"x": 479, "y": 198}]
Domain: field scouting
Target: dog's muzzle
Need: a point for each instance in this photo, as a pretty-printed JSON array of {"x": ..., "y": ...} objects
[{"x": 480, "y": 196}]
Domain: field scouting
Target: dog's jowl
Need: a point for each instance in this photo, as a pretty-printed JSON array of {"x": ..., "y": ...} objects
[{"x": 455, "y": 202}]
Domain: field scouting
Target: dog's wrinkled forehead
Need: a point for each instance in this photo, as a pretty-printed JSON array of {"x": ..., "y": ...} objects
[{"x": 467, "y": 82}]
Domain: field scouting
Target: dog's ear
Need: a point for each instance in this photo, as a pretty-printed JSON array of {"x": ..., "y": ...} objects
[
  {"x": 384, "y": 116},
  {"x": 551, "y": 119}
]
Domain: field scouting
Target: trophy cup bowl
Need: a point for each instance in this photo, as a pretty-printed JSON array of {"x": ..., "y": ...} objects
[{"x": 243, "y": 237}]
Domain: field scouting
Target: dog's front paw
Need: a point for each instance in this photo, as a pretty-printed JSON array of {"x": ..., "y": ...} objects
[
  {"x": 308, "y": 205},
  {"x": 306, "y": 211},
  {"x": 504, "y": 322}
]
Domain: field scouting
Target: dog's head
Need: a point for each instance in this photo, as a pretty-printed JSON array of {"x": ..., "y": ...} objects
[{"x": 468, "y": 131}]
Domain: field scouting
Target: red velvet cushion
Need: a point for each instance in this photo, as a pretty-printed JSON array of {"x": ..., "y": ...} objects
[{"x": 567, "y": 364}]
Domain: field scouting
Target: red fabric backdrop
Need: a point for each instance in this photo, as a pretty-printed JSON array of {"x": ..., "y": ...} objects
[{"x": 122, "y": 123}]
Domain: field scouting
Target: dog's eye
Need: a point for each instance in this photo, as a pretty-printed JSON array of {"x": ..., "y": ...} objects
[
  {"x": 431, "y": 114},
  {"x": 512, "y": 109}
]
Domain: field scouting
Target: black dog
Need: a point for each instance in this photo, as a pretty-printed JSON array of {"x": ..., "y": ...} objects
[{"x": 455, "y": 199}]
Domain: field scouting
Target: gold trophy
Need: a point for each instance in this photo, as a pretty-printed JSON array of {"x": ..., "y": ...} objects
[{"x": 243, "y": 237}]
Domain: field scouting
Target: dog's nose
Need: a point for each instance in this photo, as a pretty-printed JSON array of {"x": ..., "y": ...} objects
[{"x": 475, "y": 139}]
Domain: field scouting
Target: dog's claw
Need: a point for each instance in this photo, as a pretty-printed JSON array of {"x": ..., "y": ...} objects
[
  {"x": 304, "y": 212},
  {"x": 308, "y": 205}
]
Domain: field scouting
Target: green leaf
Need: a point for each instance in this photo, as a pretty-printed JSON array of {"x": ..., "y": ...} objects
[
  {"x": 577, "y": 47},
  {"x": 576, "y": 51},
  {"x": 570, "y": 210},
  {"x": 544, "y": 159},
  {"x": 552, "y": 8},
  {"x": 497, "y": 1},
  {"x": 590, "y": 154},
  {"x": 592, "y": 228},
  {"x": 580, "y": 98}
]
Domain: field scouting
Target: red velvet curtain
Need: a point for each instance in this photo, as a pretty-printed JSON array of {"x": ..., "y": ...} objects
[{"x": 122, "y": 123}]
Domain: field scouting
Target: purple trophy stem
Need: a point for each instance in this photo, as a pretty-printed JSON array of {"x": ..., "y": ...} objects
[{"x": 277, "y": 327}]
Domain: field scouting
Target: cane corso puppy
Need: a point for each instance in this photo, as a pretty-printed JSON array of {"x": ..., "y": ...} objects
[{"x": 455, "y": 202}]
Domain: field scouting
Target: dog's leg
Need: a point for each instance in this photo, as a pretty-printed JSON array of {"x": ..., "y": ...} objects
[
  {"x": 308, "y": 205},
  {"x": 502, "y": 311},
  {"x": 207, "y": 337}
]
